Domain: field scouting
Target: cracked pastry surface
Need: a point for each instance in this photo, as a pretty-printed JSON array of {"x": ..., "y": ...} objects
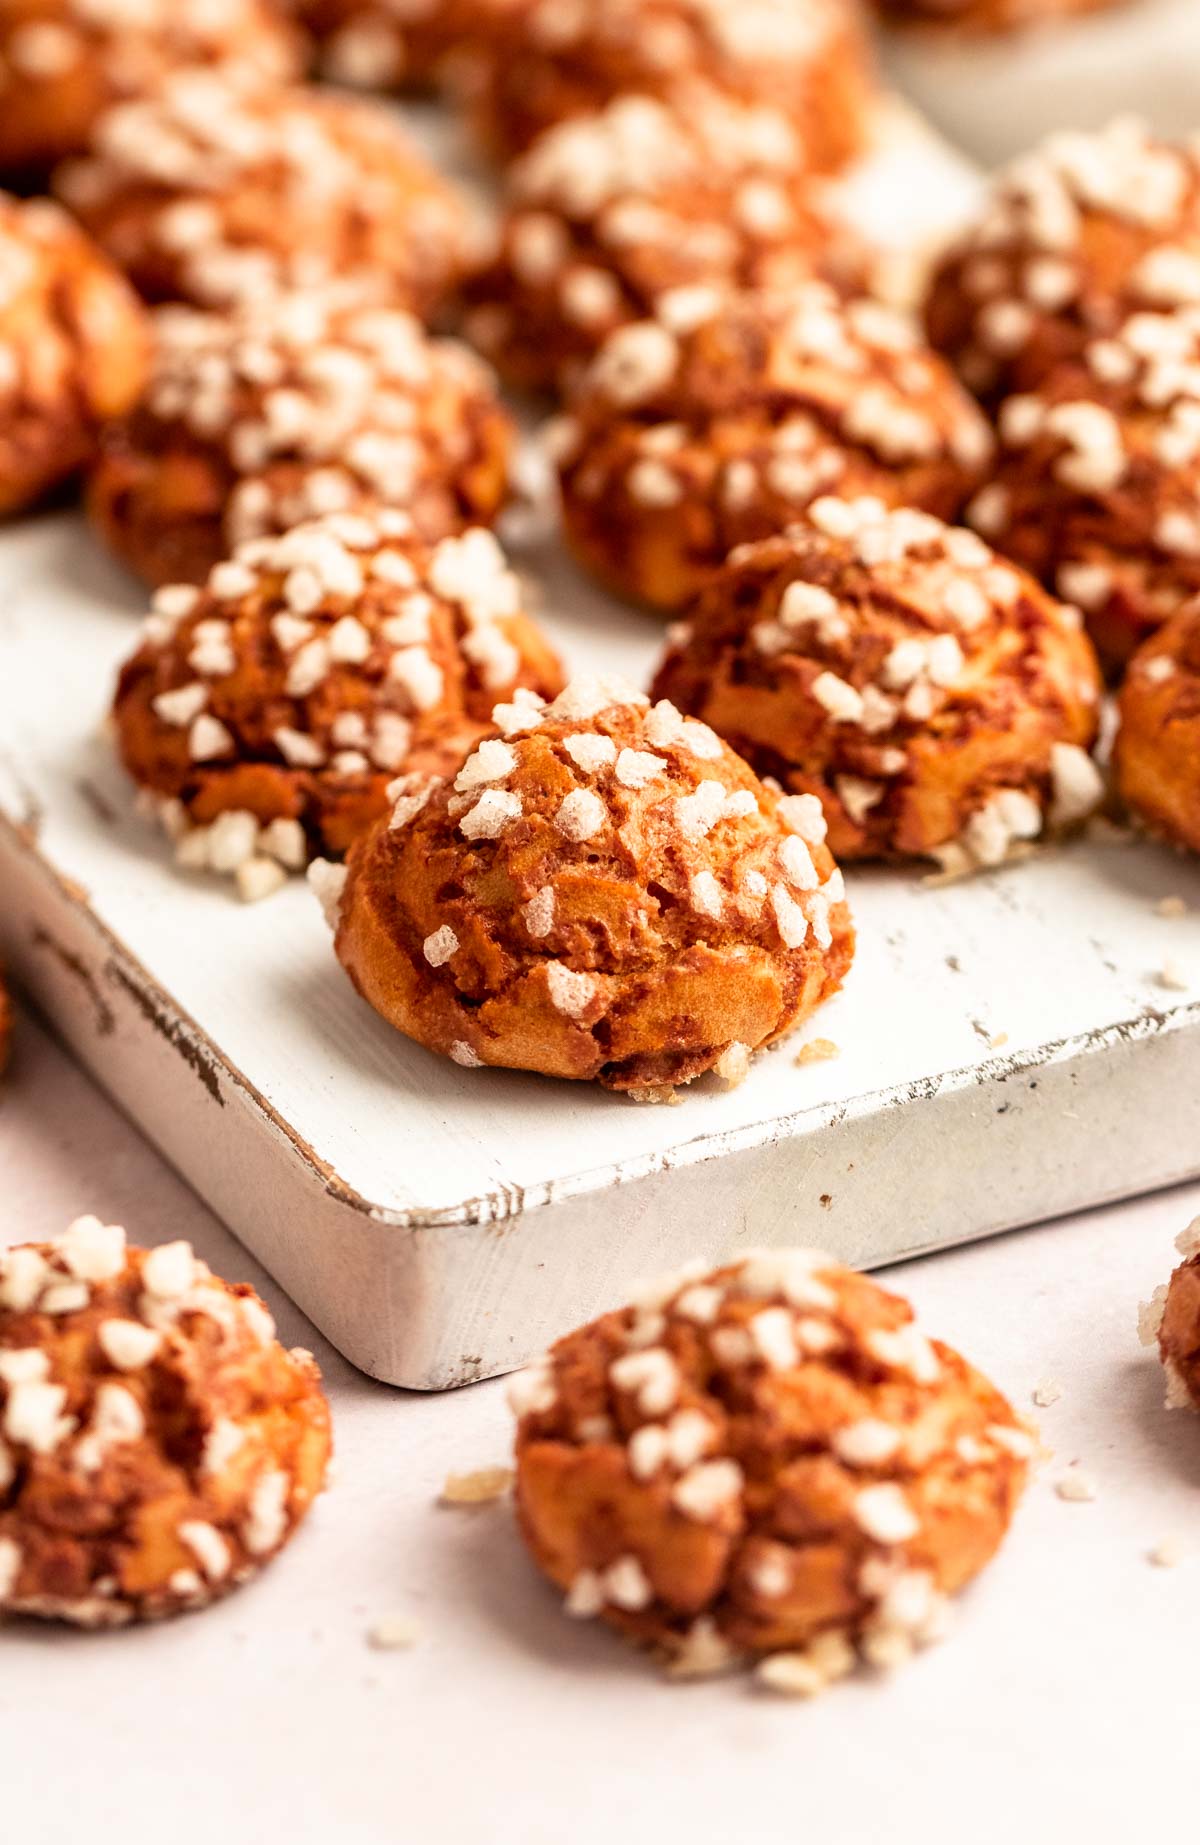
[
  {"x": 1157, "y": 750},
  {"x": 286, "y": 410},
  {"x": 1096, "y": 484},
  {"x": 267, "y": 713},
  {"x": 215, "y": 192},
  {"x": 64, "y": 62},
  {"x": 158, "y": 1446},
  {"x": 74, "y": 348},
  {"x": 555, "y": 59},
  {"x": 934, "y": 698},
  {"x": 608, "y": 213},
  {"x": 604, "y": 891},
  {"x": 765, "y": 1459},
  {"x": 1073, "y": 238},
  {"x": 720, "y": 420},
  {"x": 399, "y": 44}
]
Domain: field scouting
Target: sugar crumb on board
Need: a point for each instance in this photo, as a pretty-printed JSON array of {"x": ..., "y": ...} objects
[
  {"x": 1077, "y": 1486},
  {"x": 393, "y": 1633},
  {"x": 482, "y": 1487},
  {"x": 818, "y": 1050}
]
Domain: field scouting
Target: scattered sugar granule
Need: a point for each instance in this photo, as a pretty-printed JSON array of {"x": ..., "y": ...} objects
[
  {"x": 818, "y": 1050},
  {"x": 733, "y": 1065},
  {"x": 1076, "y": 1486},
  {"x": 790, "y": 1675},
  {"x": 1150, "y": 1316},
  {"x": 829, "y": 1657},
  {"x": 1047, "y": 1392},
  {"x": 393, "y": 1633},
  {"x": 1172, "y": 978},
  {"x": 703, "y": 1653},
  {"x": 482, "y": 1487},
  {"x": 1188, "y": 1241}
]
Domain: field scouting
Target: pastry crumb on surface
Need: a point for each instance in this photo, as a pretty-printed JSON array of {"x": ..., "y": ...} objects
[
  {"x": 1047, "y": 1393},
  {"x": 158, "y": 1445},
  {"x": 483, "y": 1487},
  {"x": 1077, "y": 1485},
  {"x": 818, "y": 1050},
  {"x": 393, "y": 1633},
  {"x": 766, "y": 1464}
]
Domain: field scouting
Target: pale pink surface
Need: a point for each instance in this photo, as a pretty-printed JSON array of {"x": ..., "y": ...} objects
[{"x": 1063, "y": 1702}]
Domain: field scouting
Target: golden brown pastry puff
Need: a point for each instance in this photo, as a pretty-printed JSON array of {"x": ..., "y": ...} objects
[
  {"x": 603, "y": 891},
  {"x": 64, "y": 62},
  {"x": 256, "y": 420},
  {"x": 1096, "y": 488},
  {"x": 1157, "y": 750},
  {"x": 554, "y": 59},
  {"x": 158, "y": 1445},
  {"x": 1072, "y": 238},
  {"x": 217, "y": 192},
  {"x": 721, "y": 419},
  {"x": 609, "y": 213},
  {"x": 764, "y": 1461},
  {"x": 74, "y": 349},
  {"x": 266, "y": 714},
  {"x": 932, "y": 696}
]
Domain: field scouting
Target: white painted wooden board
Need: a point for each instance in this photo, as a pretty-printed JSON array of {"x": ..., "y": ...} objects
[{"x": 441, "y": 1224}]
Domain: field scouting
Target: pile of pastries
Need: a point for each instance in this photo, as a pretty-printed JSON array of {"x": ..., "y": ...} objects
[
  {"x": 902, "y": 551},
  {"x": 903, "y": 555}
]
